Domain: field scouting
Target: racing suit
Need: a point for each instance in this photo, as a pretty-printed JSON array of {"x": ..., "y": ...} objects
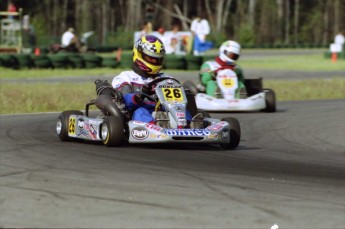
[
  {"x": 129, "y": 83},
  {"x": 208, "y": 74}
]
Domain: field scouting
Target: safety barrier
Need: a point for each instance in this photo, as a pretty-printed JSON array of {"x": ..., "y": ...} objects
[{"x": 75, "y": 60}]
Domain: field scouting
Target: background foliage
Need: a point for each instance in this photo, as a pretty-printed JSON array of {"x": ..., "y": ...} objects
[{"x": 264, "y": 22}]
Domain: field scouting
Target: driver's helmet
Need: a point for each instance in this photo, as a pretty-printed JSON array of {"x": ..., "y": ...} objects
[
  {"x": 229, "y": 52},
  {"x": 149, "y": 54}
]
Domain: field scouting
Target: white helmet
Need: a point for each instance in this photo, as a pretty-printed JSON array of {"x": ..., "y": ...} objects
[{"x": 229, "y": 52}]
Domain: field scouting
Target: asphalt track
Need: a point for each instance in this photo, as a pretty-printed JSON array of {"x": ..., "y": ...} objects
[{"x": 289, "y": 170}]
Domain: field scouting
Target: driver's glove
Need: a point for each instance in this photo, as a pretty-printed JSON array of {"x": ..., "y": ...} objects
[
  {"x": 146, "y": 90},
  {"x": 140, "y": 96}
]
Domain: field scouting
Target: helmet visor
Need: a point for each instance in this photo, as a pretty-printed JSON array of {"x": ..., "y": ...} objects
[
  {"x": 153, "y": 60},
  {"x": 231, "y": 55}
]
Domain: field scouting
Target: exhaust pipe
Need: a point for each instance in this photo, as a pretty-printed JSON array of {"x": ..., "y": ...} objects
[{"x": 105, "y": 102}]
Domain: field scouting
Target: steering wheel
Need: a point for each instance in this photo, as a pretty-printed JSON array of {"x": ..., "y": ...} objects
[
  {"x": 160, "y": 79},
  {"x": 154, "y": 82}
]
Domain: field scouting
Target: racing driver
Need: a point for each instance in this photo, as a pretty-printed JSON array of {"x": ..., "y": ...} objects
[
  {"x": 229, "y": 53},
  {"x": 148, "y": 60}
]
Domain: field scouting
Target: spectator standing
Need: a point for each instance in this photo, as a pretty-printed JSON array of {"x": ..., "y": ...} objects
[
  {"x": 339, "y": 39},
  {"x": 200, "y": 28},
  {"x": 11, "y": 8},
  {"x": 29, "y": 31}
]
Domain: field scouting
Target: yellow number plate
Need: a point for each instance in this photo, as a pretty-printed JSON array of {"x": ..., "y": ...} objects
[
  {"x": 71, "y": 125},
  {"x": 228, "y": 82},
  {"x": 173, "y": 94}
]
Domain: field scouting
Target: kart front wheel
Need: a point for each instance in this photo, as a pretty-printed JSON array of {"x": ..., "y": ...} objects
[
  {"x": 234, "y": 133},
  {"x": 112, "y": 131},
  {"x": 63, "y": 124},
  {"x": 270, "y": 99}
]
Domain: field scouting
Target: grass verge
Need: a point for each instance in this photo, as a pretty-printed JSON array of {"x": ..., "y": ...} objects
[
  {"x": 311, "y": 62},
  {"x": 51, "y": 97}
]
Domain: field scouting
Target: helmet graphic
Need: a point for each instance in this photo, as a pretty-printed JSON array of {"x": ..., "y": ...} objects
[
  {"x": 149, "y": 54},
  {"x": 229, "y": 51}
]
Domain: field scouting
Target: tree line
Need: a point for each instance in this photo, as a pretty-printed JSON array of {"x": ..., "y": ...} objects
[{"x": 274, "y": 22}]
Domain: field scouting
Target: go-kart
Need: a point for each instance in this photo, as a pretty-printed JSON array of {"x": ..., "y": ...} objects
[
  {"x": 113, "y": 128},
  {"x": 255, "y": 97}
]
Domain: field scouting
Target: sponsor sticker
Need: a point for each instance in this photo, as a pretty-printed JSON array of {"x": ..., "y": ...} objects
[
  {"x": 86, "y": 129},
  {"x": 140, "y": 133},
  {"x": 187, "y": 132},
  {"x": 158, "y": 136},
  {"x": 153, "y": 127},
  {"x": 169, "y": 86},
  {"x": 217, "y": 127},
  {"x": 181, "y": 122},
  {"x": 179, "y": 108},
  {"x": 180, "y": 114},
  {"x": 138, "y": 123},
  {"x": 213, "y": 136},
  {"x": 233, "y": 101},
  {"x": 169, "y": 81}
]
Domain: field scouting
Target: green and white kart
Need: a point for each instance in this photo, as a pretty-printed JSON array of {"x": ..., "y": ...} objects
[
  {"x": 256, "y": 98},
  {"x": 111, "y": 127}
]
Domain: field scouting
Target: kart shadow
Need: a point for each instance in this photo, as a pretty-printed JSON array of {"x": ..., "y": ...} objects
[
  {"x": 247, "y": 112},
  {"x": 187, "y": 147},
  {"x": 167, "y": 147}
]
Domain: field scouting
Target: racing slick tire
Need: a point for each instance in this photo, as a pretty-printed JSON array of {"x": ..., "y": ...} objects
[
  {"x": 270, "y": 99},
  {"x": 112, "y": 133},
  {"x": 234, "y": 133},
  {"x": 253, "y": 86},
  {"x": 62, "y": 124},
  {"x": 191, "y": 86}
]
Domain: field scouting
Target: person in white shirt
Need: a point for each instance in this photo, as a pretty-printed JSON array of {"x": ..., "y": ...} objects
[
  {"x": 69, "y": 41},
  {"x": 339, "y": 39},
  {"x": 175, "y": 44},
  {"x": 200, "y": 28},
  {"x": 165, "y": 38}
]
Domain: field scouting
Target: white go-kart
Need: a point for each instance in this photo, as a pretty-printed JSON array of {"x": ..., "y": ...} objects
[{"x": 255, "y": 97}]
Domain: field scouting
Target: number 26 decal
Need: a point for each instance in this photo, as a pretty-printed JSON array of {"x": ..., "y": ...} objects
[{"x": 173, "y": 94}]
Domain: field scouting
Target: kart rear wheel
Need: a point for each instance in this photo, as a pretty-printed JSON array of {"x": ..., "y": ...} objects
[
  {"x": 234, "y": 133},
  {"x": 270, "y": 99},
  {"x": 253, "y": 86},
  {"x": 191, "y": 86},
  {"x": 112, "y": 131},
  {"x": 62, "y": 124}
]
